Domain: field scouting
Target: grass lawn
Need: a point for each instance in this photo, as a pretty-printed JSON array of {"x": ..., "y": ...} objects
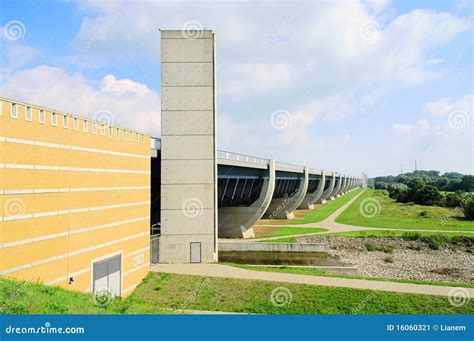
[
  {"x": 250, "y": 296},
  {"x": 372, "y": 234},
  {"x": 288, "y": 231},
  {"x": 395, "y": 233},
  {"x": 317, "y": 272},
  {"x": 393, "y": 215},
  {"x": 322, "y": 211},
  {"x": 162, "y": 293},
  {"x": 19, "y": 297},
  {"x": 280, "y": 240}
]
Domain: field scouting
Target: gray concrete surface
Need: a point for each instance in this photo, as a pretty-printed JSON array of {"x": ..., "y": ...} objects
[{"x": 188, "y": 148}]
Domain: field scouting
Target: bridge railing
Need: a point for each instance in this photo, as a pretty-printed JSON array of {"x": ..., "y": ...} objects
[
  {"x": 288, "y": 166},
  {"x": 222, "y": 154},
  {"x": 314, "y": 170}
]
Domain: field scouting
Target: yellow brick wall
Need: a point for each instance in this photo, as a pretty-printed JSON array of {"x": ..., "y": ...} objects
[{"x": 70, "y": 196}]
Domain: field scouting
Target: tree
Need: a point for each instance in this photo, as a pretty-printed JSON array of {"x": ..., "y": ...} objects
[
  {"x": 468, "y": 209},
  {"x": 456, "y": 199},
  {"x": 467, "y": 183},
  {"x": 442, "y": 184},
  {"x": 453, "y": 175},
  {"x": 427, "y": 195}
]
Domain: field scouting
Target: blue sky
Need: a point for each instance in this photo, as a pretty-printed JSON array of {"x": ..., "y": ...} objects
[{"x": 343, "y": 85}]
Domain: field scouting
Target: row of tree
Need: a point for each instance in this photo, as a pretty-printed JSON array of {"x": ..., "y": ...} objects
[
  {"x": 421, "y": 193},
  {"x": 449, "y": 182}
]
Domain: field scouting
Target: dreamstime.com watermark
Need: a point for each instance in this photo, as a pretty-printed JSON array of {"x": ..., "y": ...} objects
[
  {"x": 14, "y": 207},
  {"x": 192, "y": 207},
  {"x": 370, "y": 208},
  {"x": 458, "y": 297},
  {"x": 46, "y": 329},
  {"x": 281, "y": 297},
  {"x": 103, "y": 297},
  {"x": 14, "y": 30},
  {"x": 281, "y": 119}
]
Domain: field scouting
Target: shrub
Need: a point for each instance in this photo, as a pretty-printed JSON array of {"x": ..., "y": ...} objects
[
  {"x": 370, "y": 247},
  {"x": 435, "y": 241},
  {"x": 411, "y": 236},
  {"x": 383, "y": 248},
  {"x": 56, "y": 308},
  {"x": 414, "y": 247},
  {"x": 468, "y": 209},
  {"x": 389, "y": 259},
  {"x": 424, "y": 214},
  {"x": 387, "y": 249}
]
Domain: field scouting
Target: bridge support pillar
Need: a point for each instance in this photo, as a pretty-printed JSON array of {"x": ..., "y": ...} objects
[
  {"x": 237, "y": 222},
  {"x": 283, "y": 208},
  {"x": 311, "y": 198},
  {"x": 326, "y": 193}
]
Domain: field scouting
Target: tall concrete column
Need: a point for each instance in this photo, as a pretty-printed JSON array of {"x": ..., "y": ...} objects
[
  {"x": 237, "y": 222},
  {"x": 311, "y": 198},
  {"x": 283, "y": 208},
  {"x": 327, "y": 193},
  {"x": 188, "y": 148},
  {"x": 344, "y": 185},
  {"x": 336, "y": 190}
]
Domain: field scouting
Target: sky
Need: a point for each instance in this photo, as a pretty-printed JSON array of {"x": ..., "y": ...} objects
[{"x": 350, "y": 86}]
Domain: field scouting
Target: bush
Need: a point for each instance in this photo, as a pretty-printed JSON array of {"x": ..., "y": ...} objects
[
  {"x": 389, "y": 259},
  {"x": 468, "y": 209},
  {"x": 435, "y": 241},
  {"x": 414, "y": 247},
  {"x": 370, "y": 247},
  {"x": 411, "y": 236},
  {"x": 424, "y": 214},
  {"x": 383, "y": 248},
  {"x": 427, "y": 195}
]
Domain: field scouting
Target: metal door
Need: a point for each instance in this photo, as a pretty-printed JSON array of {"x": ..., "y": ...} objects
[
  {"x": 196, "y": 252},
  {"x": 107, "y": 275},
  {"x": 155, "y": 250}
]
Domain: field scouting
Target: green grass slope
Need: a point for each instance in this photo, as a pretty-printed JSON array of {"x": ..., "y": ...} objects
[
  {"x": 323, "y": 211},
  {"x": 248, "y": 296},
  {"x": 393, "y": 215}
]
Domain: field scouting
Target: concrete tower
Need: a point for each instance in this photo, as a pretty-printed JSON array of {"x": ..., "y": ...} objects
[{"x": 188, "y": 147}]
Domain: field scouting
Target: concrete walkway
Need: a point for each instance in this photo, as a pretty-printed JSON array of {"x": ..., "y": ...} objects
[
  {"x": 332, "y": 226},
  {"x": 227, "y": 271}
]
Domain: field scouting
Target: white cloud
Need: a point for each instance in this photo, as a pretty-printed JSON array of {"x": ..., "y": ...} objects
[
  {"x": 403, "y": 129},
  {"x": 255, "y": 78},
  {"x": 132, "y": 104},
  {"x": 326, "y": 33},
  {"x": 445, "y": 106}
]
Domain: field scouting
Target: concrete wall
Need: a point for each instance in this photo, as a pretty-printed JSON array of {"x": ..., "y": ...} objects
[
  {"x": 277, "y": 247},
  {"x": 237, "y": 222},
  {"x": 188, "y": 147},
  {"x": 72, "y": 191}
]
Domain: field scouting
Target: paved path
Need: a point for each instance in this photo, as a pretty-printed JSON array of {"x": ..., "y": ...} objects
[
  {"x": 226, "y": 271},
  {"x": 332, "y": 226}
]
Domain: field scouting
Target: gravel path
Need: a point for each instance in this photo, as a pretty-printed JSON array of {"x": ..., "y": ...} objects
[{"x": 411, "y": 259}]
